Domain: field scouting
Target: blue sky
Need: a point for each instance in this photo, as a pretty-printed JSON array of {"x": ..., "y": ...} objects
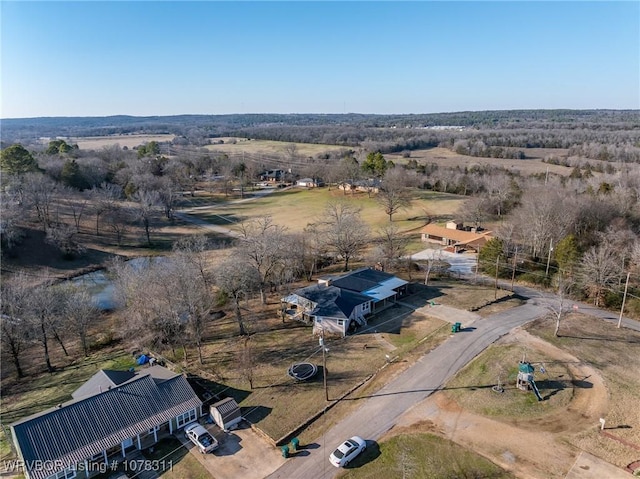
[{"x": 162, "y": 58}]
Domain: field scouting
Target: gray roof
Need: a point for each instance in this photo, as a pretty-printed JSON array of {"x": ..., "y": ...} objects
[
  {"x": 101, "y": 381},
  {"x": 84, "y": 427},
  {"x": 228, "y": 409},
  {"x": 332, "y": 301},
  {"x": 106, "y": 379},
  {"x": 362, "y": 279}
]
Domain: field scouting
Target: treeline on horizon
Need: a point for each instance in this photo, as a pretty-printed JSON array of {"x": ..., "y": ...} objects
[
  {"x": 607, "y": 135},
  {"x": 222, "y": 124}
]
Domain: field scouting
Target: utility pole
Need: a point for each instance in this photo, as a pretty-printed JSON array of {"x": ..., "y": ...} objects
[
  {"x": 496, "y": 288},
  {"x": 513, "y": 273},
  {"x": 549, "y": 257},
  {"x": 324, "y": 365},
  {"x": 475, "y": 276},
  {"x": 624, "y": 298}
]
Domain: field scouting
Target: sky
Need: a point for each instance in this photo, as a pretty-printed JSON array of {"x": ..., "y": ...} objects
[{"x": 92, "y": 58}]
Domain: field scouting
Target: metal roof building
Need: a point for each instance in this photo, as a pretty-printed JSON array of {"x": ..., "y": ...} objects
[{"x": 108, "y": 413}]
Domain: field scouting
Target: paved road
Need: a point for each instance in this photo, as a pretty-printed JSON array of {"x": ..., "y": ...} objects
[{"x": 380, "y": 411}]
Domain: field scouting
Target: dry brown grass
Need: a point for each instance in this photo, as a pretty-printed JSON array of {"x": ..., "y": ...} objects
[
  {"x": 269, "y": 147},
  {"x": 446, "y": 158},
  {"x": 295, "y": 208},
  {"x": 130, "y": 141}
]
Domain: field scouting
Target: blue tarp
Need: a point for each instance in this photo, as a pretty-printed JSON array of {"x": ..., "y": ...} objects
[{"x": 143, "y": 359}]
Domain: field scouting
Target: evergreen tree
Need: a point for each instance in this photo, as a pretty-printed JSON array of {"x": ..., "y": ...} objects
[{"x": 17, "y": 160}]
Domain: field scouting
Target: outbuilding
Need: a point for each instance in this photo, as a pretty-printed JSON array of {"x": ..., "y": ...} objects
[{"x": 226, "y": 414}]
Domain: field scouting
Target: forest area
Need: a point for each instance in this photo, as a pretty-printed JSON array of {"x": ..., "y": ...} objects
[{"x": 576, "y": 234}]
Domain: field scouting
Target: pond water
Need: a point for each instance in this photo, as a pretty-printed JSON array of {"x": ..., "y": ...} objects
[{"x": 100, "y": 285}]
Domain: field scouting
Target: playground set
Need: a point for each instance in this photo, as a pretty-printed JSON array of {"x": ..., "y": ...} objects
[{"x": 526, "y": 380}]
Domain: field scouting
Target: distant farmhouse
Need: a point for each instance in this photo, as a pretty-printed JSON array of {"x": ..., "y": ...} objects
[
  {"x": 456, "y": 237},
  {"x": 371, "y": 185},
  {"x": 337, "y": 305},
  {"x": 112, "y": 414},
  {"x": 310, "y": 182}
]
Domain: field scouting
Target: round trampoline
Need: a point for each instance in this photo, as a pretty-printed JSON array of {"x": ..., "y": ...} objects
[{"x": 302, "y": 371}]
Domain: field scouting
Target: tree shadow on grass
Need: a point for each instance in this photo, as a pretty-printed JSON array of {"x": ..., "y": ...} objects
[{"x": 255, "y": 414}]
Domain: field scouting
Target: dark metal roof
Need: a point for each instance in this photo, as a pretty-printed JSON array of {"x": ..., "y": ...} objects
[
  {"x": 362, "y": 279},
  {"x": 332, "y": 301},
  {"x": 353, "y": 283},
  {"x": 82, "y": 428}
]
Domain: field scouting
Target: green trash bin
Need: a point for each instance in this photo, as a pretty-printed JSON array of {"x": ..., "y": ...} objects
[
  {"x": 295, "y": 444},
  {"x": 285, "y": 451},
  {"x": 455, "y": 328}
]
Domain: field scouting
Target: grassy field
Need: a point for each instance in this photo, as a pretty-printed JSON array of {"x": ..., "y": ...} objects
[
  {"x": 130, "y": 141},
  {"x": 269, "y": 147},
  {"x": 295, "y": 208},
  {"x": 421, "y": 455},
  {"x": 447, "y": 158}
]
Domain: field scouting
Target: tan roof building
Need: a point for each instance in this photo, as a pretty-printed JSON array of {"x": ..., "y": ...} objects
[{"x": 456, "y": 238}]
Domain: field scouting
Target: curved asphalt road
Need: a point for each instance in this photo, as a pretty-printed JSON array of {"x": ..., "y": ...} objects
[{"x": 380, "y": 411}]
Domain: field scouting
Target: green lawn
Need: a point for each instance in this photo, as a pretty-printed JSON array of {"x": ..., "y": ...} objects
[{"x": 421, "y": 455}]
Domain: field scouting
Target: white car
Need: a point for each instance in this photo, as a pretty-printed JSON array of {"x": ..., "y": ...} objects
[
  {"x": 201, "y": 438},
  {"x": 346, "y": 451}
]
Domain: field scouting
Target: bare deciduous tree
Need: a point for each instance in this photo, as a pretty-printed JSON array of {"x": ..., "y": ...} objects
[
  {"x": 43, "y": 313},
  {"x": 80, "y": 313},
  {"x": 264, "y": 247},
  {"x": 14, "y": 327},
  {"x": 391, "y": 246},
  {"x": 64, "y": 237},
  {"x": 104, "y": 197},
  {"x": 345, "y": 233},
  {"x": 599, "y": 270},
  {"x": 12, "y": 214},
  {"x": 146, "y": 205},
  {"x": 394, "y": 195},
  {"x": 237, "y": 279},
  {"x": 40, "y": 191},
  {"x": 247, "y": 361},
  {"x": 557, "y": 306}
]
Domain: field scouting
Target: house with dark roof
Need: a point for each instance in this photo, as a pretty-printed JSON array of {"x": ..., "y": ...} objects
[
  {"x": 338, "y": 304},
  {"x": 113, "y": 413}
]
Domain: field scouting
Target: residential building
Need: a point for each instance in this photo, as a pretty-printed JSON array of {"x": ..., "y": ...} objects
[{"x": 111, "y": 414}]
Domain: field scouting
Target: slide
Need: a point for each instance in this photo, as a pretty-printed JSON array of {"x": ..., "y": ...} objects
[{"x": 535, "y": 389}]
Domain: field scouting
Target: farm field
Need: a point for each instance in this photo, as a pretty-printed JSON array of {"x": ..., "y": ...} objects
[
  {"x": 531, "y": 165},
  {"x": 130, "y": 141},
  {"x": 268, "y": 147}
]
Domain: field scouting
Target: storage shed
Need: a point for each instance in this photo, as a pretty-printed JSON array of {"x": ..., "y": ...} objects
[{"x": 226, "y": 414}]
